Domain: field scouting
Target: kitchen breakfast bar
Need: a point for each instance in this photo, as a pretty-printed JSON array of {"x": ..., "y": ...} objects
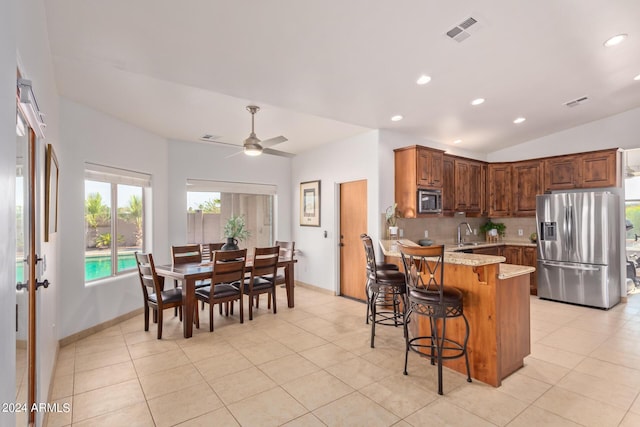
[{"x": 496, "y": 304}]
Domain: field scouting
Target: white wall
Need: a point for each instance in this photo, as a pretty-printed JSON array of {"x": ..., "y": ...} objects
[
  {"x": 621, "y": 130},
  {"x": 353, "y": 159},
  {"x": 90, "y": 136},
  {"x": 7, "y": 207},
  {"x": 190, "y": 160}
]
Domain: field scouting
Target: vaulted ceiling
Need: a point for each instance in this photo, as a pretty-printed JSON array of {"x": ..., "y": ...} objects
[{"x": 325, "y": 70}]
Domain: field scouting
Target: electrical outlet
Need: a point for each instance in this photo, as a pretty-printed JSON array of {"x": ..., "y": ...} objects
[
  {"x": 520, "y": 232},
  {"x": 426, "y": 234},
  {"x": 401, "y": 232},
  {"x": 475, "y": 231}
]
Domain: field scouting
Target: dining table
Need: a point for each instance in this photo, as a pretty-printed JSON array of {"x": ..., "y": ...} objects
[{"x": 189, "y": 274}]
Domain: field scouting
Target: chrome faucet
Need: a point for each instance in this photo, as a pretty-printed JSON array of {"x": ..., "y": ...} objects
[{"x": 459, "y": 239}]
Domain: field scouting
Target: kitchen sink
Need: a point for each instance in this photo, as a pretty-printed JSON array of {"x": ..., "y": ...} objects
[{"x": 469, "y": 244}]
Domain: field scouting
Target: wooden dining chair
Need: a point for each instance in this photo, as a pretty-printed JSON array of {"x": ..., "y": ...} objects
[
  {"x": 226, "y": 280},
  {"x": 188, "y": 254},
  {"x": 209, "y": 248},
  {"x": 287, "y": 250},
  {"x": 153, "y": 292},
  {"x": 262, "y": 277}
]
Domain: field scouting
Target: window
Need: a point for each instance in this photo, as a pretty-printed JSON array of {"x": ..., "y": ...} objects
[
  {"x": 114, "y": 205},
  {"x": 210, "y": 204}
]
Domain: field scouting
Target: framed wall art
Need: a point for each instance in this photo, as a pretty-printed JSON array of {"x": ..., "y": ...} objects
[
  {"x": 310, "y": 203},
  {"x": 51, "y": 193}
]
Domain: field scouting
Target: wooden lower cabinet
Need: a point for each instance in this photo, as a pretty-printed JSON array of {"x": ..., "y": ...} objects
[
  {"x": 524, "y": 255},
  {"x": 530, "y": 258},
  {"x": 492, "y": 250},
  {"x": 498, "y": 314}
]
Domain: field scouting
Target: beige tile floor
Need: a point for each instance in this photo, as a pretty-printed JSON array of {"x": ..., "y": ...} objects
[{"x": 312, "y": 366}]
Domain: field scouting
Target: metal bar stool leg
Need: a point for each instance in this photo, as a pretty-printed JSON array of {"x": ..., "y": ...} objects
[{"x": 374, "y": 296}]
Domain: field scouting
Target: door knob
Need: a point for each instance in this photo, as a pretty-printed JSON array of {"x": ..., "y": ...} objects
[{"x": 45, "y": 283}]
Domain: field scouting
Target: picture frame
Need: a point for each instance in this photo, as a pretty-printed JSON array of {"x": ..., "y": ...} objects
[
  {"x": 51, "y": 193},
  {"x": 310, "y": 203}
]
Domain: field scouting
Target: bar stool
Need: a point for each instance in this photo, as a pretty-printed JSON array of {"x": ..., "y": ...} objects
[
  {"x": 384, "y": 288},
  {"x": 427, "y": 296}
]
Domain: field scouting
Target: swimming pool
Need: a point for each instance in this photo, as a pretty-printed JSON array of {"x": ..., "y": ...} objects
[{"x": 95, "y": 267}]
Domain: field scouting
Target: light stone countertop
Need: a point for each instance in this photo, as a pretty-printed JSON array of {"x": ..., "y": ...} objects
[
  {"x": 511, "y": 270},
  {"x": 391, "y": 249}
]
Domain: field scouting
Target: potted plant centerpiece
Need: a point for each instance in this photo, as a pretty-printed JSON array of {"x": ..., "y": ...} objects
[
  {"x": 234, "y": 230},
  {"x": 391, "y": 216},
  {"x": 493, "y": 230}
]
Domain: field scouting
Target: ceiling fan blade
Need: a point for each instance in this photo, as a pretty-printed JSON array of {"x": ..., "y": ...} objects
[
  {"x": 234, "y": 154},
  {"x": 277, "y": 153},
  {"x": 273, "y": 141}
]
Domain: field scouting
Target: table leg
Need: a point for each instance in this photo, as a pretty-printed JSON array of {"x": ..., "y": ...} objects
[
  {"x": 289, "y": 280},
  {"x": 188, "y": 301}
]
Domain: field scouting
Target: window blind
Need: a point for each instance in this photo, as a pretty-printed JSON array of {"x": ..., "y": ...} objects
[
  {"x": 200, "y": 185},
  {"x": 103, "y": 173}
]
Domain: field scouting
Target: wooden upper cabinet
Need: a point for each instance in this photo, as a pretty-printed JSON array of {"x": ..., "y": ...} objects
[
  {"x": 599, "y": 169},
  {"x": 561, "y": 173},
  {"x": 499, "y": 188},
  {"x": 448, "y": 185},
  {"x": 468, "y": 186},
  {"x": 415, "y": 167},
  {"x": 527, "y": 184},
  {"x": 429, "y": 168},
  {"x": 595, "y": 169}
]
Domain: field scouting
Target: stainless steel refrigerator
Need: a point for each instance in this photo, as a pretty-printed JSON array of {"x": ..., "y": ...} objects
[{"x": 578, "y": 248}]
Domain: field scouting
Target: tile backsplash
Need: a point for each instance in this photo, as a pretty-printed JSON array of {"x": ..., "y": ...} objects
[{"x": 444, "y": 229}]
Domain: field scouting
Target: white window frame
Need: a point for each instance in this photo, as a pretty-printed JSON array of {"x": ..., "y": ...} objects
[{"x": 115, "y": 176}]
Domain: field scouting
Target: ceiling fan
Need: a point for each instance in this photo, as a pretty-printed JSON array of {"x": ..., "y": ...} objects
[{"x": 253, "y": 146}]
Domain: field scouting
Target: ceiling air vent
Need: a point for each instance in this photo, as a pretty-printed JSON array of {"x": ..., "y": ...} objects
[
  {"x": 208, "y": 137},
  {"x": 461, "y": 31},
  {"x": 577, "y": 102}
]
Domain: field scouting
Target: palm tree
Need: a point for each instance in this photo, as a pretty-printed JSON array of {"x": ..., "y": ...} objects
[
  {"x": 210, "y": 206},
  {"x": 96, "y": 213},
  {"x": 133, "y": 214}
]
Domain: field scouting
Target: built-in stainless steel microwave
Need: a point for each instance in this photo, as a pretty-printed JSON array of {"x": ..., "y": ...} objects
[{"x": 429, "y": 201}]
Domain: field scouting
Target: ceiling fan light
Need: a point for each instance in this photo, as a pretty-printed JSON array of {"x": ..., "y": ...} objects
[
  {"x": 252, "y": 149},
  {"x": 615, "y": 40}
]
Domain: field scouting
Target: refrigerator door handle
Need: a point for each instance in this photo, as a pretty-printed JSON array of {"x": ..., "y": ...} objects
[
  {"x": 565, "y": 231},
  {"x": 570, "y": 267},
  {"x": 570, "y": 228}
]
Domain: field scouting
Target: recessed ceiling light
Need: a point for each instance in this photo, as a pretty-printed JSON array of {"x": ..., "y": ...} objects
[
  {"x": 615, "y": 40},
  {"x": 423, "y": 80},
  {"x": 637, "y": 77},
  {"x": 519, "y": 120},
  {"x": 457, "y": 141},
  {"x": 396, "y": 118},
  {"x": 477, "y": 101}
]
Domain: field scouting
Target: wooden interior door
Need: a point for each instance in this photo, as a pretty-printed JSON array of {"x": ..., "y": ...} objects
[
  {"x": 28, "y": 244},
  {"x": 353, "y": 222}
]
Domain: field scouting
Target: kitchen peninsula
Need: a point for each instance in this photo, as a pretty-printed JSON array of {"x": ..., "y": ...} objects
[{"x": 496, "y": 304}]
